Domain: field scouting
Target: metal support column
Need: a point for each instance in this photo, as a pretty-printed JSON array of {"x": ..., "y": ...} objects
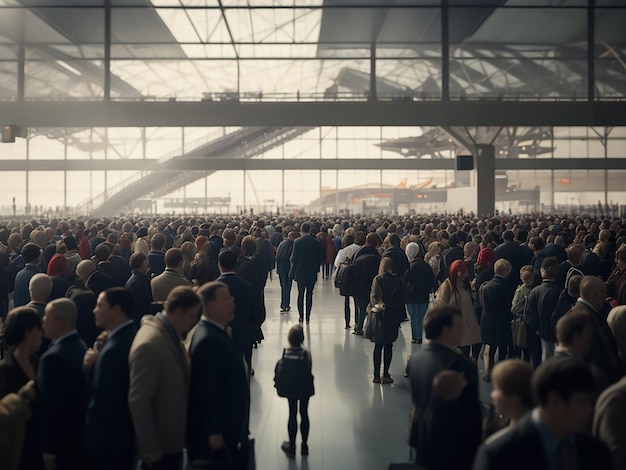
[
  {"x": 21, "y": 73},
  {"x": 485, "y": 179},
  {"x": 445, "y": 51},
  {"x": 591, "y": 50},
  {"x": 107, "y": 50},
  {"x": 373, "y": 95}
]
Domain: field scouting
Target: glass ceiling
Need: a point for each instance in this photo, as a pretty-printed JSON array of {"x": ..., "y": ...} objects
[{"x": 309, "y": 49}]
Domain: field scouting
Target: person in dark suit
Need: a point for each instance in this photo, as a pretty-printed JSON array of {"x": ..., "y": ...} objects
[
  {"x": 365, "y": 262},
  {"x": 283, "y": 256},
  {"x": 400, "y": 260},
  {"x": 603, "y": 352},
  {"x": 305, "y": 264},
  {"x": 495, "y": 297},
  {"x": 62, "y": 390},
  {"x": 109, "y": 428},
  {"x": 156, "y": 256},
  {"x": 553, "y": 435},
  {"x": 513, "y": 253},
  {"x": 32, "y": 255},
  {"x": 139, "y": 285},
  {"x": 249, "y": 311},
  {"x": 92, "y": 279},
  {"x": 446, "y": 427},
  {"x": 219, "y": 398},
  {"x": 538, "y": 315}
]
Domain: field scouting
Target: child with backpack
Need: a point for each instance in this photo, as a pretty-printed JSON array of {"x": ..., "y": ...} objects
[{"x": 293, "y": 380}]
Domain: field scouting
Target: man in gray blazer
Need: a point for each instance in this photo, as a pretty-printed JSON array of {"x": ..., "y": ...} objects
[
  {"x": 159, "y": 381},
  {"x": 171, "y": 277}
]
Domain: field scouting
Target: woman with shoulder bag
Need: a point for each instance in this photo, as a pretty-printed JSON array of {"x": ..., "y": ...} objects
[
  {"x": 387, "y": 295},
  {"x": 455, "y": 291}
]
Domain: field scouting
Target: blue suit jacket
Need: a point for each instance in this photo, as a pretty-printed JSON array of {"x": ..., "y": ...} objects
[
  {"x": 219, "y": 392},
  {"x": 139, "y": 285},
  {"x": 109, "y": 429},
  {"x": 62, "y": 396}
]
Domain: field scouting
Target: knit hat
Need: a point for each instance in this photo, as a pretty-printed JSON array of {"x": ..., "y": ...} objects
[
  {"x": 413, "y": 251},
  {"x": 57, "y": 265}
]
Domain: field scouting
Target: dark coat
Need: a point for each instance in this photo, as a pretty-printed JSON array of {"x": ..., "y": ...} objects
[
  {"x": 514, "y": 254},
  {"x": 121, "y": 269},
  {"x": 495, "y": 298},
  {"x": 62, "y": 396},
  {"x": 366, "y": 262},
  {"x": 453, "y": 254},
  {"x": 283, "y": 256},
  {"x": 249, "y": 311},
  {"x": 305, "y": 259},
  {"x": 445, "y": 434},
  {"x": 390, "y": 290},
  {"x": 156, "y": 260},
  {"x": 521, "y": 449},
  {"x": 400, "y": 261},
  {"x": 98, "y": 282},
  {"x": 59, "y": 288},
  {"x": 85, "y": 301},
  {"x": 420, "y": 282},
  {"x": 219, "y": 393},
  {"x": 109, "y": 429},
  {"x": 541, "y": 302},
  {"x": 563, "y": 305},
  {"x": 247, "y": 269},
  {"x": 139, "y": 285},
  {"x": 603, "y": 352}
]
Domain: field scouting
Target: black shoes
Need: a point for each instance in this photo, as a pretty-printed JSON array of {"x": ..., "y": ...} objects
[
  {"x": 289, "y": 449},
  {"x": 304, "y": 450},
  {"x": 283, "y": 310}
]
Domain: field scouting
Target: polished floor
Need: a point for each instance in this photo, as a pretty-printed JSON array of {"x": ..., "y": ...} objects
[{"x": 355, "y": 424}]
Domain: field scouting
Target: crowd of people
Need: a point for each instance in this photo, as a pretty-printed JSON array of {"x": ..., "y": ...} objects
[{"x": 105, "y": 320}]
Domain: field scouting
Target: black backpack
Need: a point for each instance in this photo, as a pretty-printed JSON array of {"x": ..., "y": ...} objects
[
  {"x": 292, "y": 376},
  {"x": 344, "y": 278}
]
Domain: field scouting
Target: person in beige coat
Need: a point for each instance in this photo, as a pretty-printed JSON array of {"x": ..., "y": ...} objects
[
  {"x": 171, "y": 277},
  {"x": 455, "y": 291},
  {"x": 159, "y": 381}
]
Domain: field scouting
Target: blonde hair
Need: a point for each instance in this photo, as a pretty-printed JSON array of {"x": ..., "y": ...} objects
[
  {"x": 385, "y": 266},
  {"x": 617, "y": 323}
]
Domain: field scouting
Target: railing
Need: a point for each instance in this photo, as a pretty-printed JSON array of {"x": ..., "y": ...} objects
[
  {"x": 96, "y": 201},
  {"x": 262, "y": 97}
]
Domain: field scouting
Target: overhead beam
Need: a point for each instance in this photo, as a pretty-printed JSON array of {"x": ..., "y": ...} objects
[
  {"x": 293, "y": 114},
  {"x": 217, "y": 164}
]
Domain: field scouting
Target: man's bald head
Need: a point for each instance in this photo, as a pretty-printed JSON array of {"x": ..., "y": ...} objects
[{"x": 593, "y": 290}]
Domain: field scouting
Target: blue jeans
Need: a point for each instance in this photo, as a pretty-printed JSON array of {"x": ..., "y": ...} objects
[{"x": 417, "y": 313}]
